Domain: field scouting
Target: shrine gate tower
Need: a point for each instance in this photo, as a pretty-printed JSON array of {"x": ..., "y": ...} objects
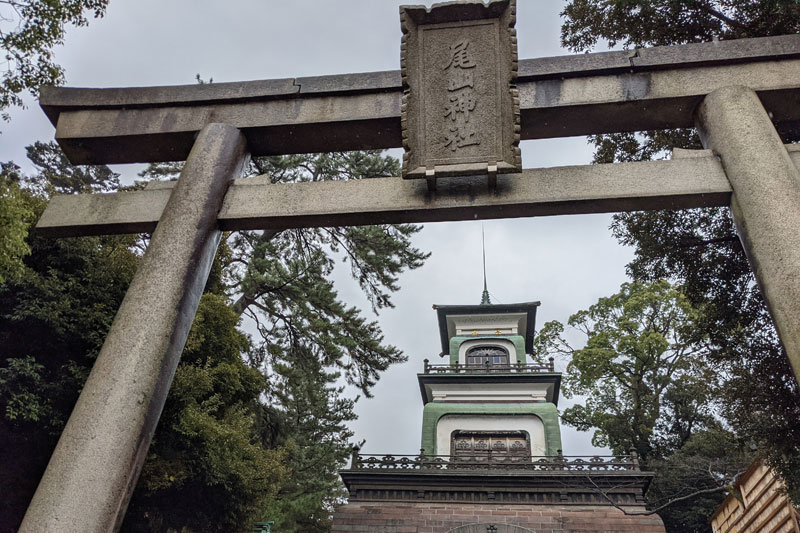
[{"x": 491, "y": 455}]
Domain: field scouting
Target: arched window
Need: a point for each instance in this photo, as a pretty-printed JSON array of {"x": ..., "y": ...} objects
[{"x": 487, "y": 356}]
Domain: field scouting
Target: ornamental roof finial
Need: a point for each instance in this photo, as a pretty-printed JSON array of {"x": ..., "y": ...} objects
[{"x": 485, "y": 296}]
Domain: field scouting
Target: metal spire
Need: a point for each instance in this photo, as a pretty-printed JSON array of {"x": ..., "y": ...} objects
[{"x": 485, "y": 296}]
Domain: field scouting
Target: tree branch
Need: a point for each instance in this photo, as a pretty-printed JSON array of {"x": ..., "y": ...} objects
[
  {"x": 657, "y": 509},
  {"x": 245, "y": 300},
  {"x": 703, "y": 6},
  {"x": 687, "y": 244}
]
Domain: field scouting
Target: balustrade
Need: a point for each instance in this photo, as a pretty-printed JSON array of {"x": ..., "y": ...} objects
[
  {"x": 515, "y": 368},
  {"x": 424, "y": 462}
]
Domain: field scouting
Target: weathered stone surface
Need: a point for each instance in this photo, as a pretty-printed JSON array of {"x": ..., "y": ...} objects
[
  {"x": 576, "y": 65},
  {"x": 649, "y": 100},
  {"x": 56, "y": 99},
  {"x": 255, "y": 203},
  {"x": 343, "y": 83},
  {"x": 94, "y": 468},
  {"x": 685, "y": 153},
  {"x": 737, "y": 50},
  {"x": 571, "y": 95},
  {"x": 765, "y": 201},
  {"x": 316, "y": 123},
  {"x": 460, "y": 110}
]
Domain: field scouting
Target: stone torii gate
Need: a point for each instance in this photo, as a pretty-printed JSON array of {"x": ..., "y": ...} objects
[{"x": 740, "y": 94}]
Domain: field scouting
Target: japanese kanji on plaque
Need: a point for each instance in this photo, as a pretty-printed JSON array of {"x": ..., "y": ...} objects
[{"x": 460, "y": 112}]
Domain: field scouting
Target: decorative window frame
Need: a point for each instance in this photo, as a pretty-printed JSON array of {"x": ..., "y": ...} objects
[
  {"x": 492, "y": 434},
  {"x": 497, "y": 418},
  {"x": 478, "y": 343},
  {"x": 499, "y": 351}
]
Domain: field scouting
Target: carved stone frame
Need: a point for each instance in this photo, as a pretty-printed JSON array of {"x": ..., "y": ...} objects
[{"x": 500, "y": 120}]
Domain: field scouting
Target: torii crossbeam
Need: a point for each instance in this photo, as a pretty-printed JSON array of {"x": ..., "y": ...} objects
[{"x": 737, "y": 93}]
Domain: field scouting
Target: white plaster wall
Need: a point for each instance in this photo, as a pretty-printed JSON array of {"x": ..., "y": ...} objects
[
  {"x": 507, "y": 324},
  {"x": 484, "y": 392},
  {"x": 530, "y": 423},
  {"x": 466, "y": 345}
]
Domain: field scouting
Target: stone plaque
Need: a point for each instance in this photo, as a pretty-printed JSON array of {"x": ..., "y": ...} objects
[{"x": 460, "y": 112}]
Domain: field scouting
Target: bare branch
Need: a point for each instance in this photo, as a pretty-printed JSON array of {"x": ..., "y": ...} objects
[{"x": 659, "y": 508}]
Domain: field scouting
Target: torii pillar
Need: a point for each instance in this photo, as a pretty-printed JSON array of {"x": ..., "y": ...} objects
[
  {"x": 765, "y": 201},
  {"x": 93, "y": 470}
]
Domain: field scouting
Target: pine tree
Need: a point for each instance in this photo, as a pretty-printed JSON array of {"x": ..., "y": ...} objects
[
  {"x": 253, "y": 428},
  {"x": 310, "y": 340}
]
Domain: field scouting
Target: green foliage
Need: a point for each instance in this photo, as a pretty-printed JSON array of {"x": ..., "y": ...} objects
[
  {"x": 53, "y": 319},
  {"x": 252, "y": 429},
  {"x": 54, "y": 174},
  {"x": 15, "y": 216},
  {"x": 642, "y": 350},
  {"x": 309, "y": 416},
  {"x": 286, "y": 286},
  {"x": 29, "y": 30},
  {"x": 647, "y": 383},
  {"x": 698, "y": 248},
  {"x": 298, "y": 310},
  {"x": 206, "y": 469},
  {"x": 701, "y": 472},
  {"x": 310, "y": 340},
  {"x": 638, "y": 23}
]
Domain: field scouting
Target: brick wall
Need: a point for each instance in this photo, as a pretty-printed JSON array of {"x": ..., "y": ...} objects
[{"x": 397, "y": 517}]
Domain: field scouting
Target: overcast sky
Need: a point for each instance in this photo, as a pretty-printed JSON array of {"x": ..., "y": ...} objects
[{"x": 565, "y": 262}]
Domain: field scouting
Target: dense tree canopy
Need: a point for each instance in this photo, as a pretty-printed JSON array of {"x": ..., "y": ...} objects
[
  {"x": 692, "y": 481},
  {"x": 253, "y": 428},
  {"x": 637, "y": 23},
  {"x": 698, "y": 249},
  {"x": 642, "y": 352},
  {"x": 206, "y": 469},
  {"x": 308, "y": 415},
  {"x": 15, "y": 216},
  {"x": 53, "y": 319},
  {"x": 646, "y": 382},
  {"x": 309, "y": 338}
]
